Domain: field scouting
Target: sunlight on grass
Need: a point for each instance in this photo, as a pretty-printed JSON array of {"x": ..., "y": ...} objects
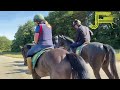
[
  {"x": 19, "y": 55},
  {"x": 13, "y": 54},
  {"x": 118, "y": 56}
]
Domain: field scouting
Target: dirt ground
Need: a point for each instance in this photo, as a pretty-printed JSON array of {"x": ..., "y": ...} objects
[{"x": 13, "y": 68}]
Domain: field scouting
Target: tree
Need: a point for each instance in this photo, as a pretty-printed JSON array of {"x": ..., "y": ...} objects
[
  {"x": 5, "y": 44},
  {"x": 61, "y": 21},
  {"x": 105, "y": 33},
  {"x": 24, "y": 35}
]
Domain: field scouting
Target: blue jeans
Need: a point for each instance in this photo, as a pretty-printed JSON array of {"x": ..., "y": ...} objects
[
  {"x": 36, "y": 49},
  {"x": 73, "y": 46}
]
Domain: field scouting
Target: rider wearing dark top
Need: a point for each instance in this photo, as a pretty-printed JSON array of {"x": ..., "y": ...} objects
[{"x": 83, "y": 35}]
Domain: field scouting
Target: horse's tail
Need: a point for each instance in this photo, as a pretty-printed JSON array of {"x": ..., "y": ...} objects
[
  {"x": 110, "y": 55},
  {"x": 79, "y": 65}
]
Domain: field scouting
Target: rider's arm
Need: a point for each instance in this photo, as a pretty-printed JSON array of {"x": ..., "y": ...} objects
[
  {"x": 80, "y": 35},
  {"x": 36, "y": 35},
  {"x": 77, "y": 36},
  {"x": 91, "y": 33}
]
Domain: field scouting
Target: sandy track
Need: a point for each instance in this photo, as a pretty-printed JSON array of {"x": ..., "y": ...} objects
[{"x": 13, "y": 68}]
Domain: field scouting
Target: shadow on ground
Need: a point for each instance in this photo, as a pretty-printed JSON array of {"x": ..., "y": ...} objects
[
  {"x": 18, "y": 64},
  {"x": 17, "y": 71},
  {"x": 18, "y": 61}
]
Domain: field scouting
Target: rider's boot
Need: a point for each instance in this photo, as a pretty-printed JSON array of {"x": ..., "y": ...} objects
[{"x": 29, "y": 63}]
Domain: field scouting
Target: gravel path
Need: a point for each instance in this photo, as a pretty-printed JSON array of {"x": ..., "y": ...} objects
[{"x": 13, "y": 68}]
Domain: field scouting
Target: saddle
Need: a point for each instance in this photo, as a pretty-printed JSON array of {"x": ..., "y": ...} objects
[
  {"x": 38, "y": 55},
  {"x": 79, "y": 49}
]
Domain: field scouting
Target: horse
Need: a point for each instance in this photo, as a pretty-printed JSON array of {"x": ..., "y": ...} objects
[
  {"x": 26, "y": 47},
  {"x": 97, "y": 54},
  {"x": 24, "y": 50},
  {"x": 59, "y": 64}
]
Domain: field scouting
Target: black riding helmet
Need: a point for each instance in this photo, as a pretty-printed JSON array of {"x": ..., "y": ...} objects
[{"x": 76, "y": 22}]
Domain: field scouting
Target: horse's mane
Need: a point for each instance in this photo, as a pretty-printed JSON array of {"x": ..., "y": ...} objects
[
  {"x": 30, "y": 44},
  {"x": 68, "y": 38}
]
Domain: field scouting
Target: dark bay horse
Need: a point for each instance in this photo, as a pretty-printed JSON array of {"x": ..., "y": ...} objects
[
  {"x": 26, "y": 47},
  {"x": 60, "y": 64},
  {"x": 98, "y": 55},
  {"x": 24, "y": 51}
]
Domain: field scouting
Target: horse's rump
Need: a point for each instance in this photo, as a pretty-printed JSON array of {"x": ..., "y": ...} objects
[{"x": 57, "y": 64}]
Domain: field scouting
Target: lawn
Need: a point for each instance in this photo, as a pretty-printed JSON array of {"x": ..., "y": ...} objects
[
  {"x": 118, "y": 56},
  {"x": 12, "y": 54},
  {"x": 19, "y": 55}
]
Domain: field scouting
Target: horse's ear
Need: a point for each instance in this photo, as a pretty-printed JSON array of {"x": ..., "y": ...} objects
[
  {"x": 59, "y": 35},
  {"x": 21, "y": 47},
  {"x": 33, "y": 42},
  {"x": 63, "y": 37}
]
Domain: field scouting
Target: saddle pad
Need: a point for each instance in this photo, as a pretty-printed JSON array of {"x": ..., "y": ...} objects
[
  {"x": 79, "y": 49},
  {"x": 37, "y": 55}
]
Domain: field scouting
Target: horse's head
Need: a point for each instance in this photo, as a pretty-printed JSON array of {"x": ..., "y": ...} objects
[
  {"x": 24, "y": 51},
  {"x": 55, "y": 41},
  {"x": 64, "y": 41},
  {"x": 61, "y": 40}
]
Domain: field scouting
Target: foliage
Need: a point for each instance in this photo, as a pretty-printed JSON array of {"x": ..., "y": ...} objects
[
  {"x": 5, "y": 44},
  {"x": 23, "y": 36},
  {"x": 61, "y": 22}
]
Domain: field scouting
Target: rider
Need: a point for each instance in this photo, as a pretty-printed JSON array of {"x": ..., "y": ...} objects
[
  {"x": 82, "y": 36},
  {"x": 42, "y": 38}
]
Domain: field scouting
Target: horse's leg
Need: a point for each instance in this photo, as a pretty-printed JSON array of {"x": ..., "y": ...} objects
[
  {"x": 34, "y": 75},
  {"x": 25, "y": 62},
  {"x": 55, "y": 75},
  {"x": 60, "y": 75},
  {"x": 96, "y": 73},
  {"x": 61, "y": 71},
  {"x": 106, "y": 70},
  {"x": 96, "y": 70},
  {"x": 74, "y": 74}
]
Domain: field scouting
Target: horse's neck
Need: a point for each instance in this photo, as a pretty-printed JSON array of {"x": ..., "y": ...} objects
[
  {"x": 68, "y": 43},
  {"x": 69, "y": 39}
]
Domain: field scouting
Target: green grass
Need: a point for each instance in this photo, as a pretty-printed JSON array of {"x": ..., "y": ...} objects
[
  {"x": 118, "y": 56},
  {"x": 117, "y": 50},
  {"x": 12, "y": 54},
  {"x": 19, "y": 55}
]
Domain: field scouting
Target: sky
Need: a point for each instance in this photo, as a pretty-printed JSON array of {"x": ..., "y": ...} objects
[{"x": 11, "y": 20}]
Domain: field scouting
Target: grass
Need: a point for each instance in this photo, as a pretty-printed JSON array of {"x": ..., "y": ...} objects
[
  {"x": 118, "y": 56},
  {"x": 19, "y": 55},
  {"x": 117, "y": 50},
  {"x": 12, "y": 54}
]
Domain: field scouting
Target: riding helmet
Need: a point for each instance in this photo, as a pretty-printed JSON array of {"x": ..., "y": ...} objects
[{"x": 38, "y": 18}]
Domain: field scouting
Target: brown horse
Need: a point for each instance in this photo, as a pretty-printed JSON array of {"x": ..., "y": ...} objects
[
  {"x": 24, "y": 51},
  {"x": 60, "y": 64}
]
